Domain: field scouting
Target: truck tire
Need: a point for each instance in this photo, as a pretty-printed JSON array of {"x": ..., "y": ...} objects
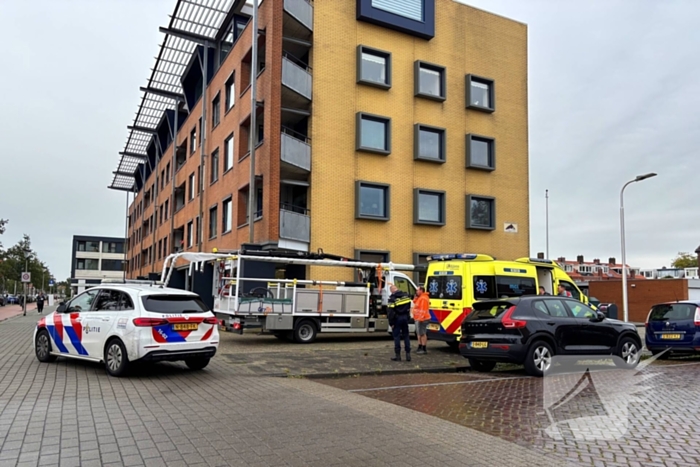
[{"x": 305, "y": 331}]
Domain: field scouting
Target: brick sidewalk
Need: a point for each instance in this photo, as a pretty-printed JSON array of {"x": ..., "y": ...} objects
[
  {"x": 71, "y": 413},
  {"x": 9, "y": 311}
]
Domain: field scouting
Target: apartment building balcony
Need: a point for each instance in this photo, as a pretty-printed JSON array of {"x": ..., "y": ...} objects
[
  {"x": 301, "y": 16},
  {"x": 296, "y": 81},
  {"x": 295, "y": 151},
  {"x": 295, "y": 228}
]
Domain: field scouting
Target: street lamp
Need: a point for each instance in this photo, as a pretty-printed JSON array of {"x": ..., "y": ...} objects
[
  {"x": 638, "y": 178},
  {"x": 27, "y": 254}
]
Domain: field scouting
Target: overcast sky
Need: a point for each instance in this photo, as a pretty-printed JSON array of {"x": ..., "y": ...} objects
[{"x": 614, "y": 92}]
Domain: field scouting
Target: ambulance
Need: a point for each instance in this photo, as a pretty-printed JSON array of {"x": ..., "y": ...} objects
[{"x": 455, "y": 281}]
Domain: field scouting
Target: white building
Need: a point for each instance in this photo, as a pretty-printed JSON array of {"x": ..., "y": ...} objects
[{"x": 95, "y": 259}]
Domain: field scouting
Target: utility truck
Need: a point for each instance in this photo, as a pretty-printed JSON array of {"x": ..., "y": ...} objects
[{"x": 270, "y": 291}]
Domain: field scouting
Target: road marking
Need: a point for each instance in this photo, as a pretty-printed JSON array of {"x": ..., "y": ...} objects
[{"x": 438, "y": 384}]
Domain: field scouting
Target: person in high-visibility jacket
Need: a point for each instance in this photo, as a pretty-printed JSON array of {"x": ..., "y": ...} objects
[
  {"x": 421, "y": 316},
  {"x": 399, "y": 313}
]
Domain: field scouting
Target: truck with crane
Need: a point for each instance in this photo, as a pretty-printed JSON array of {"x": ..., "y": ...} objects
[{"x": 254, "y": 289}]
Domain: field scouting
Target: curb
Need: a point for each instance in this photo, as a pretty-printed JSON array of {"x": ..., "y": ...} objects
[{"x": 407, "y": 371}]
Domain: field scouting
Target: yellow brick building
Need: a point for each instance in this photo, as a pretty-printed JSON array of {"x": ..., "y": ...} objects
[
  {"x": 384, "y": 130},
  {"x": 467, "y": 43}
]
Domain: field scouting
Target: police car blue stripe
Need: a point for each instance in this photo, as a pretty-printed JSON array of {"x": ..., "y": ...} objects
[
  {"x": 56, "y": 338},
  {"x": 75, "y": 341},
  {"x": 170, "y": 335}
]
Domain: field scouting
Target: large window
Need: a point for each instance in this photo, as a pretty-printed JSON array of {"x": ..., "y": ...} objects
[
  {"x": 429, "y": 143},
  {"x": 228, "y": 153},
  {"x": 411, "y": 9},
  {"x": 481, "y": 212},
  {"x": 93, "y": 247},
  {"x": 191, "y": 186},
  {"x": 214, "y": 166},
  {"x": 112, "y": 247},
  {"x": 481, "y": 152},
  {"x": 430, "y": 81},
  {"x": 226, "y": 213},
  {"x": 190, "y": 234},
  {"x": 373, "y": 133},
  {"x": 373, "y": 67},
  {"x": 87, "y": 264},
  {"x": 111, "y": 265},
  {"x": 428, "y": 207},
  {"x": 231, "y": 91},
  {"x": 481, "y": 93},
  {"x": 216, "y": 111},
  {"x": 213, "y": 215},
  {"x": 372, "y": 201}
]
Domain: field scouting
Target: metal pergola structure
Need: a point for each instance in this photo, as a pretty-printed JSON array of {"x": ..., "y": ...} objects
[{"x": 192, "y": 22}]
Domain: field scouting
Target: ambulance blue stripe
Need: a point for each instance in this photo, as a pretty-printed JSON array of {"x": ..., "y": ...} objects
[
  {"x": 56, "y": 338},
  {"x": 75, "y": 341},
  {"x": 170, "y": 335}
]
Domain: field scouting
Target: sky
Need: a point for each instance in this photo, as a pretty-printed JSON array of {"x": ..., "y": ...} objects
[{"x": 613, "y": 93}]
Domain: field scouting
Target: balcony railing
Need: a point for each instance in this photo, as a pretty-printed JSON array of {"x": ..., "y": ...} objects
[
  {"x": 296, "y": 149},
  {"x": 296, "y": 75},
  {"x": 302, "y": 11},
  {"x": 295, "y": 226}
]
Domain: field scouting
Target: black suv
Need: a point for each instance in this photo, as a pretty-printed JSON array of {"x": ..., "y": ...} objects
[{"x": 530, "y": 330}]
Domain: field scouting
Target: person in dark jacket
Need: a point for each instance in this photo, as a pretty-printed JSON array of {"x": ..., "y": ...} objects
[
  {"x": 40, "y": 302},
  {"x": 399, "y": 314}
]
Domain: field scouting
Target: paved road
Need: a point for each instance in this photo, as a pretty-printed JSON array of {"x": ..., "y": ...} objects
[
  {"x": 71, "y": 413},
  {"x": 330, "y": 355},
  {"x": 658, "y": 427}
]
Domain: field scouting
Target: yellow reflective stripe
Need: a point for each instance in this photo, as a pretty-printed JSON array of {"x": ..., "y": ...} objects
[{"x": 402, "y": 301}]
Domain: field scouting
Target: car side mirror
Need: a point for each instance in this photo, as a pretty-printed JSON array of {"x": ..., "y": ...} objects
[
  {"x": 61, "y": 307},
  {"x": 599, "y": 316}
]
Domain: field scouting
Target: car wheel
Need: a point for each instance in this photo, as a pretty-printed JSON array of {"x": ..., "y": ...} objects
[
  {"x": 305, "y": 332},
  {"x": 42, "y": 346},
  {"x": 482, "y": 366},
  {"x": 628, "y": 353},
  {"x": 116, "y": 359},
  {"x": 539, "y": 358},
  {"x": 198, "y": 363}
]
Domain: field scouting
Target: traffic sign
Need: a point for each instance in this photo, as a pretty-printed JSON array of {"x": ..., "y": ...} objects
[
  {"x": 51, "y": 283},
  {"x": 26, "y": 277}
]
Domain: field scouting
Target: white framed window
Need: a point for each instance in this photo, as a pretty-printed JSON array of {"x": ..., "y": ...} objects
[{"x": 373, "y": 67}]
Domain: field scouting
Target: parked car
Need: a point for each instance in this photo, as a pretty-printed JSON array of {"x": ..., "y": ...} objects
[
  {"x": 2, "y": 300},
  {"x": 120, "y": 324},
  {"x": 674, "y": 326},
  {"x": 531, "y": 330},
  {"x": 12, "y": 299}
]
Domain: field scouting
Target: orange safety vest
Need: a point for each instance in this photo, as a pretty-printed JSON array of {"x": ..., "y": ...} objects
[{"x": 422, "y": 305}]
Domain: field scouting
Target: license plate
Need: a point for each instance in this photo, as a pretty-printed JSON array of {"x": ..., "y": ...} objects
[
  {"x": 480, "y": 345},
  {"x": 433, "y": 327},
  {"x": 185, "y": 327},
  {"x": 671, "y": 336}
]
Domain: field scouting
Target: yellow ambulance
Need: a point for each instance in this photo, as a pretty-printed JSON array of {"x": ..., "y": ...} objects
[{"x": 455, "y": 281}]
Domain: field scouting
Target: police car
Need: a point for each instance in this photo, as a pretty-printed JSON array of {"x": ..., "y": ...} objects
[{"x": 120, "y": 324}]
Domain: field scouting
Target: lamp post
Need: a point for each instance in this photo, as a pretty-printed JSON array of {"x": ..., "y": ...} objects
[
  {"x": 638, "y": 178},
  {"x": 27, "y": 254},
  {"x": 546, "y": 214}
]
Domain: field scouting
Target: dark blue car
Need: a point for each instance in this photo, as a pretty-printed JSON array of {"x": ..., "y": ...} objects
[{"x": 674, "y": 326}]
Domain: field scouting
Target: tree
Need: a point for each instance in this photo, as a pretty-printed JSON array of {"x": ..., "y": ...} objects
[
  {"x": 13, "y": 262},
  {"x": 685, "y": 260},
  {"x": 3, "y": 226}
]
